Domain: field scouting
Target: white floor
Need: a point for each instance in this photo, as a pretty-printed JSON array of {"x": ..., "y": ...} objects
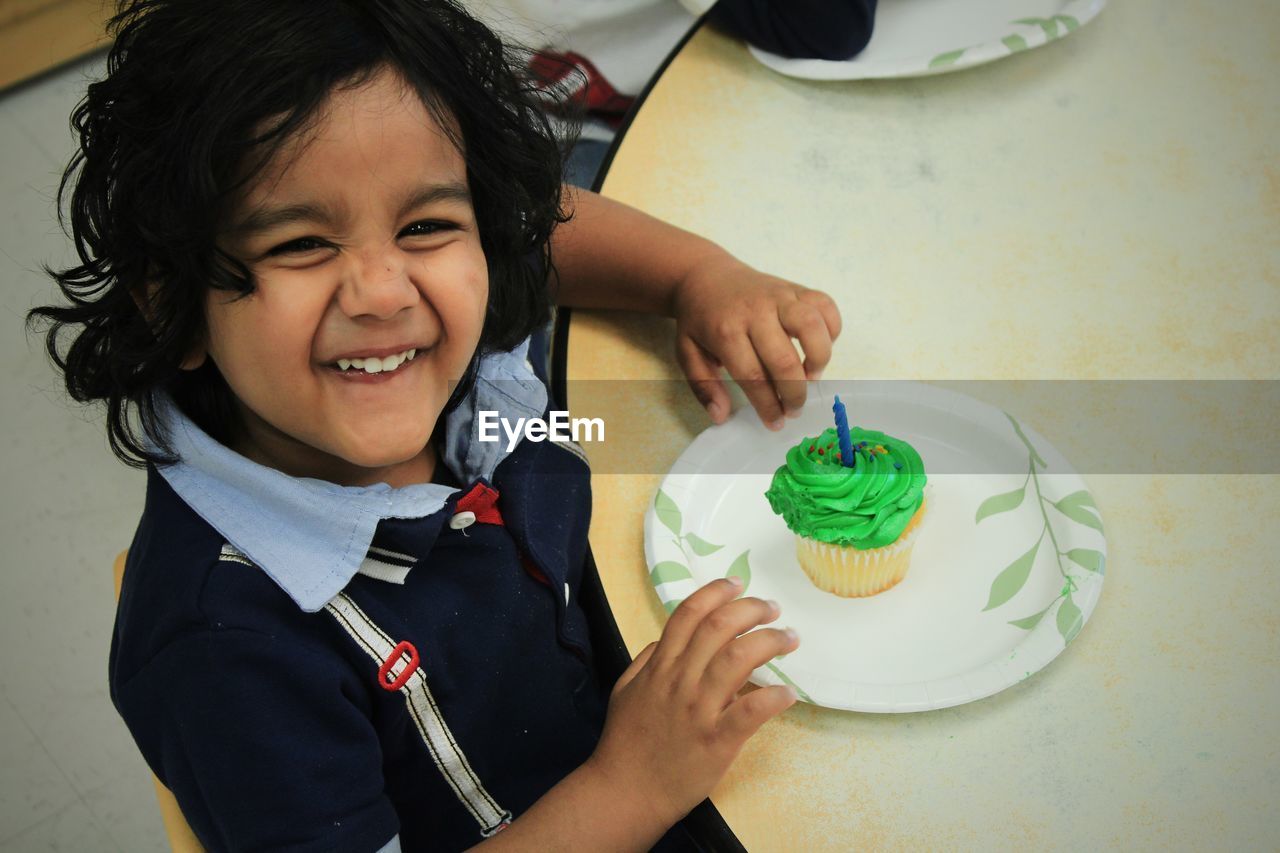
[{"x": 70, "y": 776}]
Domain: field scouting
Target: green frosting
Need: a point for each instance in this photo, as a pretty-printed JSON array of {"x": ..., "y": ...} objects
[{"x": 866, "y": 506}]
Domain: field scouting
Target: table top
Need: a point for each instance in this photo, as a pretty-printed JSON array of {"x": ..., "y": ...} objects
[{"x": 1104, "y": 207}]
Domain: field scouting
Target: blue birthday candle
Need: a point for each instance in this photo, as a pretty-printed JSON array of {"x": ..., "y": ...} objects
[{"x": 842, "y": 432}]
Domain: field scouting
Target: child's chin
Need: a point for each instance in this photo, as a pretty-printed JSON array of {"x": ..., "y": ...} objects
[{"x": 386, "y": 454}]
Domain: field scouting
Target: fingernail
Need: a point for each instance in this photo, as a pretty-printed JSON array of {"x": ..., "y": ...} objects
[
  {"x": 713, "y": 411},
  {"x": 793, "y": 414},
  {"x": 791, "y": 635},
  {"x": 817, "y": 376},
  {"x": 777, "y": 426},
  {"x": 735, "y": 580},
  {"x": 774, "y": 606},
  {"x": 795, "y": 694}
]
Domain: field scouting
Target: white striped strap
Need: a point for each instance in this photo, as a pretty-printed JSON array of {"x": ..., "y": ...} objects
[{"x": 425, "y": 712}]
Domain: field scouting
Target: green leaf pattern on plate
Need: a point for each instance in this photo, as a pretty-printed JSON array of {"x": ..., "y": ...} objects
[
  {"x": 785, "y": 680},
  {"x": 741, "y": 569},
  {"x": 1080, "y": 498},
  {"x": 700, "y": 546},
  {"x": 1010, "y": 581},
  {"x": 668, "y": 571},
  {"x": 1035, "y": 456},
  {"x": 668, "y": 512},
  {"x": 1049, "y": 25},
  {"x": 1089, "y": 559},
  {"x": 1015, "y": 43},
  {"x": 1007, "y": 502},
  {"x": 1030, "y": 622},
  {"x": 1055, "y": 27},
  {"x": 1069, "y": 619},
  {"x": 1078, "y": 507},
  {"x": 948, "y": 58}
]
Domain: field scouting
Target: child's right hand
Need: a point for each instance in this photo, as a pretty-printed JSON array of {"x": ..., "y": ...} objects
[{"x": 675, "y": 720}]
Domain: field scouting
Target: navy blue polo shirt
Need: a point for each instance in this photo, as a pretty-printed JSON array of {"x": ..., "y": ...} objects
[{"x": 310, "y": 667}]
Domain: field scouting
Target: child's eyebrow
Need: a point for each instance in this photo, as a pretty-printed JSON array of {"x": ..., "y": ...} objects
[
  {"x": 266, "y": 218},
  {"x": 432, "y": 193}
]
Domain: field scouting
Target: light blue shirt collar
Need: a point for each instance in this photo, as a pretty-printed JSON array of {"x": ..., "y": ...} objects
[{"x": 310, "y": 535}]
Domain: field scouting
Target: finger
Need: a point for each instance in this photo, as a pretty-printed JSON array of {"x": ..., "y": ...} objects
[
  {"x": 633, "y": 669},
  {"x": 720, "y": 628},
  {"x": 827, "y": 307},
  {"x": 730, "y": 669},
  {"x": 805, "y": 323},
  {"x": 745, "y": 367},
  {"x": 783, "y": 365},
  {"x": 703, "y": 372},
  {"x": 689, "y": 615},
  {"x": 746, "y": 714}
]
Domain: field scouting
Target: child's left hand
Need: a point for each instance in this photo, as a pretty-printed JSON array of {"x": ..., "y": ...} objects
[{"x": 730, "y": 315}]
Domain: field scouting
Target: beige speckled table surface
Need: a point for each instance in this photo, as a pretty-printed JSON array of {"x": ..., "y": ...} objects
[{"x": 1105, "y": 207}]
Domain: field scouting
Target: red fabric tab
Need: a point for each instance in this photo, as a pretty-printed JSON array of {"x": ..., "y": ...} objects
[
  {"x": 571, "y": 79},
  {"x": 483, "y": 501},
  {"x": 403, "y": 653}
]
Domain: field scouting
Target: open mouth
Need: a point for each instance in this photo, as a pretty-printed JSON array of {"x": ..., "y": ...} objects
[{"x": 373, "y": 364}]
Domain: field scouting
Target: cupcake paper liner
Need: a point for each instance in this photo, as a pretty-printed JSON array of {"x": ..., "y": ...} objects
[{"x": 851, "y": 573}]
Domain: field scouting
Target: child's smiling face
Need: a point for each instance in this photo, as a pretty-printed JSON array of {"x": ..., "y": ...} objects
[{"x": 364, "y": 245}]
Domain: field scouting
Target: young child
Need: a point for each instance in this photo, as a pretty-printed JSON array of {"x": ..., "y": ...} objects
[{"x": 314, "y": 236}]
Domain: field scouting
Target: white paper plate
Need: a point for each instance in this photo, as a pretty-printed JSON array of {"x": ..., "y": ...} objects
[
  {"x": 1006, "y": 569},
  {"x": 913, "y": 38}
]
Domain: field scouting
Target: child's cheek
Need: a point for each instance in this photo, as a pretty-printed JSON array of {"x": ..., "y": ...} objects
[{"x": 481, "y": 290}]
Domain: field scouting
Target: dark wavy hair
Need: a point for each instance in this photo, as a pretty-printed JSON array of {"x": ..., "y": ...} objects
[{"x": 198, "y": 96}]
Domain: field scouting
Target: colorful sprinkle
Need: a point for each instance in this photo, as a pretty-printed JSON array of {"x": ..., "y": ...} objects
[
  {"x": 820, "y": 451},
  {"x": 811, "y": 448},
  {"x": 898, "y": 465}
]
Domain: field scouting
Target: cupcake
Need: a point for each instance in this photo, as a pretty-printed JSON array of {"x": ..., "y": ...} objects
[{"x": 854, "y": 524}]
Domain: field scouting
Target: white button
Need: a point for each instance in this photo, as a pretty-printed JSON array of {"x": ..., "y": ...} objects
[{"x": 462, "y": 520}]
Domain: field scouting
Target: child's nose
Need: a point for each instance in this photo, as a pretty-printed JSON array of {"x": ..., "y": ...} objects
[{"x": 376, "y": 285}]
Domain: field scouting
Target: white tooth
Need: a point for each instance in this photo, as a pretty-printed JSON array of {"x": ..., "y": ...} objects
[
  {"x": 373, "y": 365},
  {"x": 411, "y": 354},
  {"x": 344, "y": 363},
  {"x": 357, "y": 363},
  {"x": 391, "y": 362}
]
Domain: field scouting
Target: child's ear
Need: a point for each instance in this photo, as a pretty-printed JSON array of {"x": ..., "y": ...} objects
[{"x": 198, "y": 351}]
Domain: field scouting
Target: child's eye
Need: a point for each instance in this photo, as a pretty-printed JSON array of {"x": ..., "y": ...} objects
[
  {"x": 297, "y": 247},
  {"x": 426, "y": 228}
]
